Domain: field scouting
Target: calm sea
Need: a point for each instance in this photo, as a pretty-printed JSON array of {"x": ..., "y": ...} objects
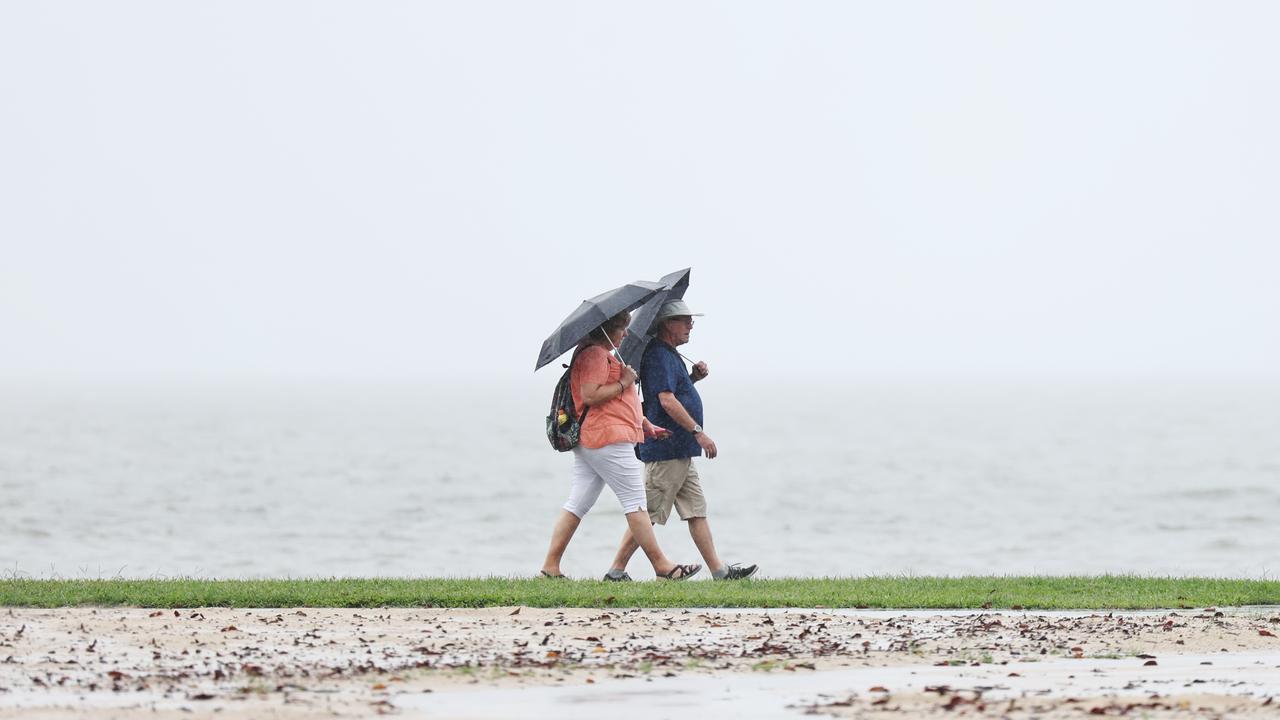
[{"x": 258, "y": 481}]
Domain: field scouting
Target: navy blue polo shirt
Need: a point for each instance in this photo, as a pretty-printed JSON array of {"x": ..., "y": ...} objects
[{"x": 662, "y": 370}]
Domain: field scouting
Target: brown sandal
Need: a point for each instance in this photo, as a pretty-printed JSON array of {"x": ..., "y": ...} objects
[{"x": 681, "y": 572}]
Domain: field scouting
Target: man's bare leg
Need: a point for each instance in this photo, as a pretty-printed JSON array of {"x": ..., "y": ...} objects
[
  {"x": 700, "y": 531},
  {"x": 625, "y": 551}
]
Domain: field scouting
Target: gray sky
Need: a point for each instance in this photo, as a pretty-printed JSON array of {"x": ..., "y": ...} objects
[{"x": 414, "y": 190}]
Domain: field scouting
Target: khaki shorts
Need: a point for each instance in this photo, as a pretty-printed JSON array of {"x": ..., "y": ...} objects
[{"x": 673, "y": 482}]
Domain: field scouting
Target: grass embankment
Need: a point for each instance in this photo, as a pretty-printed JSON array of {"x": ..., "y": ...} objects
[{"x": 1031, "y": 593}]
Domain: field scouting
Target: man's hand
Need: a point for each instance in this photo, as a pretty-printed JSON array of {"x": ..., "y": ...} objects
[
  {"x": 700, "y": 371},
  {"x": 707, "y": 444}
]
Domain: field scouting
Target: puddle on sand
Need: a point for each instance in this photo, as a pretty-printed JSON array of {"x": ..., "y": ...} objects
[{"x": 778, "y": 693}]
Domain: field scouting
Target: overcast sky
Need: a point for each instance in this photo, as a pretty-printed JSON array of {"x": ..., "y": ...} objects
[{"x": 423, "y": 190}]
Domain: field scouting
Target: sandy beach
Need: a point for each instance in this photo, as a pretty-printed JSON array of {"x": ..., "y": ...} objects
[{"x": 526, "y": 662}]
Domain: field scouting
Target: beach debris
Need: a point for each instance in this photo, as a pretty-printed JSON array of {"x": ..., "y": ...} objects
[{"x": 337, "y": 650}]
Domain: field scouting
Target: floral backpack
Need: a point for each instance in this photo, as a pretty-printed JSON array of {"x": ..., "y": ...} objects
[{"x": 564, "y": 425}]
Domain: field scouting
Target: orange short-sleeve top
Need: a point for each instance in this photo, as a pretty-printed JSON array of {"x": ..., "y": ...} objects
[{"x": 615, "y": 420}]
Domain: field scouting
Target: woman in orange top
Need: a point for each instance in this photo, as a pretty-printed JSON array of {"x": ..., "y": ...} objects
[{"x": 605, "y": 454}]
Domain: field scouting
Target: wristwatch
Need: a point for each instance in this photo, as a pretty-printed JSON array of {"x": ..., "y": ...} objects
[{"x": 696, "y": 429}]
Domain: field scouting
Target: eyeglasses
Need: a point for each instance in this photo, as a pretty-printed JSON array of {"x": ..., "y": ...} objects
[{"x": 685, "y": 320}]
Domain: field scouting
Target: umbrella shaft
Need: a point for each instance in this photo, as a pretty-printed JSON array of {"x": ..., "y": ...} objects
[{"x": 615, "y": 347}]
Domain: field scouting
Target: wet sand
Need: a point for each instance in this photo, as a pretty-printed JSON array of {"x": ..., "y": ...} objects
[{"x": 525, "y": 662}]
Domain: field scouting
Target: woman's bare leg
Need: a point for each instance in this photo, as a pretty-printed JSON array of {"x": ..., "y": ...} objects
[
  {"x": 642, "y": 531},
  {"x": 561, "y": 534}
]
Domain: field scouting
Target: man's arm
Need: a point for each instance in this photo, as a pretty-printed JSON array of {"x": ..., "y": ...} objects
[{"x": 685, "y": 420}]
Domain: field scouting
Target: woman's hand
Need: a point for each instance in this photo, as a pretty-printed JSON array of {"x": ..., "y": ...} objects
[
  {"x": 654, "y": 432},
  {"x": 628, "y": 376}
]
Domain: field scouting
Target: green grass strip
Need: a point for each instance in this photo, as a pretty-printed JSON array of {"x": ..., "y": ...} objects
[{"x": 1032, "y": 593}]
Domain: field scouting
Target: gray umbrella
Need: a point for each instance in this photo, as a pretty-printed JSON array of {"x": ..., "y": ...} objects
[
  {"x": 592, "y": 313},
  {"x": 641, "y": 330}
]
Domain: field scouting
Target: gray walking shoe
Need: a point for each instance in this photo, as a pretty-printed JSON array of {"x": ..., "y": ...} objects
[
  {"x": 624, "y": 577},
  {"x": 737, "y": 572}
]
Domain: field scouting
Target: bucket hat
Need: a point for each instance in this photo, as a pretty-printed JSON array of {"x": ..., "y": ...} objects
[{"x": 675, "y": 308}]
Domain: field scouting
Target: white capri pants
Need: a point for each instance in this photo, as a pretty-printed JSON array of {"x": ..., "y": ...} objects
[{"x": 615, "y": 465}]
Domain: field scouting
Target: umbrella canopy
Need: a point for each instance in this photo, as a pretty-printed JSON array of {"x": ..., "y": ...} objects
[
  {"x": 592, "y": 313},
  {"x": 641, "y": 330}
]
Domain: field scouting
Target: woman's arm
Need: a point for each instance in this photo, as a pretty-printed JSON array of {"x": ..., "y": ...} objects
[{"x": 594, "y": 394}]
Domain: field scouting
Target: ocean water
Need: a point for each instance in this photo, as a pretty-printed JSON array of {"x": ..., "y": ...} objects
[{"x": 317, "y": 481}]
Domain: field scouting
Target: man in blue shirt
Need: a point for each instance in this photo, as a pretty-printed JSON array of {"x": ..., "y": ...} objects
[{"x": 672, "y": 402}]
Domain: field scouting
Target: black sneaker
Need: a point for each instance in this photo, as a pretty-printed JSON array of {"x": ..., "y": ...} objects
[
  {"x": 737, "y": 572},
  {"x": 621, "y": 578}
]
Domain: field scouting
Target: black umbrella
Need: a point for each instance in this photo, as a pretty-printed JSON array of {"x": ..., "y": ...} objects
[
  {"x": 642, "y": 328},
  {"x": 592, "y": 313}
]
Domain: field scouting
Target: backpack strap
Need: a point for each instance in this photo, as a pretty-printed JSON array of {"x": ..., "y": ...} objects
[{"x": 585, "y": 407}]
